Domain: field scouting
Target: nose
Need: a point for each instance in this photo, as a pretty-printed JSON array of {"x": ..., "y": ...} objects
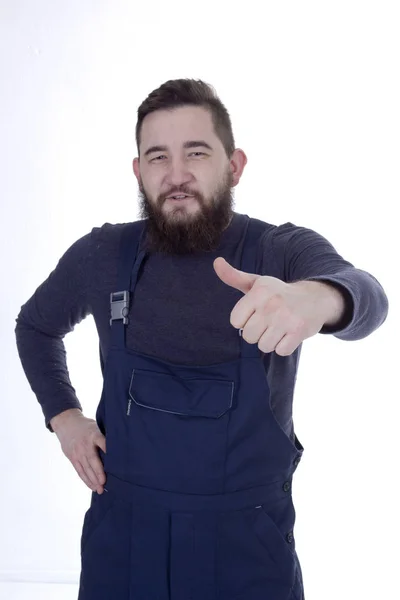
[{"x": 178, "y": 176}]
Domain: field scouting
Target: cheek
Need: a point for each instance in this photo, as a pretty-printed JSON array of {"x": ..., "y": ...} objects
[{"x": 150, "y": 185}]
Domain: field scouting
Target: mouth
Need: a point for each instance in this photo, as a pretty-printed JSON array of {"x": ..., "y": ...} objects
[{"x": 179, "y": 197}]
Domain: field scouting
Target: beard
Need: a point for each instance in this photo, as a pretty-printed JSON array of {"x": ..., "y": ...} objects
[{"x": 179, "y": 231}]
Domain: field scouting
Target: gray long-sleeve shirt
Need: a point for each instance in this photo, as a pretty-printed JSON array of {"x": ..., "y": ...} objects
[{"x": 179, "y": 309}]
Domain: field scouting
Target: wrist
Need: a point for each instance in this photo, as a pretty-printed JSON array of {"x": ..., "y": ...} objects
[
  {"x": 330, "y": 296},
  {"x": 58, "y": 421}
]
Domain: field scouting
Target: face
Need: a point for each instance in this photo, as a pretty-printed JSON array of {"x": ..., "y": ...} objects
[{"x": 181, "y": 154}]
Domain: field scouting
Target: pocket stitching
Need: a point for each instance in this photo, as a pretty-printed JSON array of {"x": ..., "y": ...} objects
[
  {"x": 251, "y": 524},
  {"x": 175, "y": 411},
  {"x": 96, "y": 526}
]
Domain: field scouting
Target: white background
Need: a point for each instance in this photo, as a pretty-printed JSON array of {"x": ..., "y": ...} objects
[{"x": 313, "y": 92}]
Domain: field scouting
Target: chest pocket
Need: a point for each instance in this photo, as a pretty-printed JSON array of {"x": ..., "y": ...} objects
[{"x": 177, "y": 431}]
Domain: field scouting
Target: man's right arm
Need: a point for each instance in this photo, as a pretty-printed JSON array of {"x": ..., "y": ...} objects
[{"x": 57, "y": 305}]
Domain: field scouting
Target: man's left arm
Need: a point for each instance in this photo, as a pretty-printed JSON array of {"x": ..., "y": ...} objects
[{"x": 358, "y": 303}]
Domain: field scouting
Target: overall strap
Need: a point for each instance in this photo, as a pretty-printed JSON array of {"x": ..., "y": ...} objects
[{"x": 128, "y": 268}]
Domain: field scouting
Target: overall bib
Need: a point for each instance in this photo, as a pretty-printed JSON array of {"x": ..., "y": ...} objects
[{"x": 198, "y": 503}]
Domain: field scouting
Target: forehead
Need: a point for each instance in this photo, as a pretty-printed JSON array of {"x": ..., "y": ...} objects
[{"x": 174, "y": 127}]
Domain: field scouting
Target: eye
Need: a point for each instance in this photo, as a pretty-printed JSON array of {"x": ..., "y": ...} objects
[{"x": 161, "y": 155}]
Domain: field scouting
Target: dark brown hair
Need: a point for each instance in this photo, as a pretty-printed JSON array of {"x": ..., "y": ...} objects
[{"x": 183, "y": 92}]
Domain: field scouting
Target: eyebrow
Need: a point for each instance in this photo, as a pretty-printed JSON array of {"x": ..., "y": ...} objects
[{"x": 191, "y": 144}]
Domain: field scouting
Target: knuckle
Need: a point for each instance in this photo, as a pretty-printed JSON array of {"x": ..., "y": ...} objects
[
  {"x": 259, "y": 291},
  {"x": 276, "y": 301},
  {"x": 299, "y": 325}
]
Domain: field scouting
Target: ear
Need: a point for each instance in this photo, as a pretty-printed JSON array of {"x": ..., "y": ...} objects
[{"x": 136, "y": 168}]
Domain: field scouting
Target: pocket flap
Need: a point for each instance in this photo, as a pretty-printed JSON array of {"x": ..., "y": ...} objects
[{"x": 189, "y": 397}]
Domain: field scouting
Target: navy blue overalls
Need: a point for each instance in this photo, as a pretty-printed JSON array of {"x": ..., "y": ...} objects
[{"x": 198, "y": 501}]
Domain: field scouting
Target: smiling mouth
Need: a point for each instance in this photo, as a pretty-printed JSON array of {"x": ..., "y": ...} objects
[{"x": 178, "y": 198}]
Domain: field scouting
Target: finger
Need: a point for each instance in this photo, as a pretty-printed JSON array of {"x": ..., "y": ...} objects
[
  {"x": 270, "y": 339},
  {"x": 252, "y": 302},
  {"x": 295, "y": 335},
  {"x": 101, "y": 442},
  {"x": 258, "y": 325},
  {"x": 97, "y": 466},
  {"x": 234, "y": 277},
  {"x": 82, "y": 474},
  {"x": 242, "y": 312},
  {"x": 288, "y": 344},
  {"x": 86, "y": 463}
]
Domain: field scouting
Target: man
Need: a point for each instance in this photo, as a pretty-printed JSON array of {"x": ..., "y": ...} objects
[{"x": 201, "y": 313}]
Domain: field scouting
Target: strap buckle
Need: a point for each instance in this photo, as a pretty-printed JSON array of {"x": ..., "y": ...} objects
[{"x": 119, "y": 302}]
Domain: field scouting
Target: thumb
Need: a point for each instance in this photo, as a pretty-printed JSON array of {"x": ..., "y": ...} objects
[
  {"x": 238, "y": 279},
  {"x": 101, "y": 442}
]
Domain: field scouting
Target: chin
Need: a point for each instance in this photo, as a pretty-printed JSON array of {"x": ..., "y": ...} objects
[{"x": 182, "y": 211}]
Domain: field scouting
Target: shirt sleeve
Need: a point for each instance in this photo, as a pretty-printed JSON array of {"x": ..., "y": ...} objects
[
  {"x": 302, "y": 254},
  {"x": 57, "y": 305}
]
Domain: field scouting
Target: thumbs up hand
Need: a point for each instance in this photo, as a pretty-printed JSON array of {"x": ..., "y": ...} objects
[{"x": 277, "y": 315}]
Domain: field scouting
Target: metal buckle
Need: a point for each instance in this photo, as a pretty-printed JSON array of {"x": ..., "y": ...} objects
[{"x": 119, "y": 302}]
